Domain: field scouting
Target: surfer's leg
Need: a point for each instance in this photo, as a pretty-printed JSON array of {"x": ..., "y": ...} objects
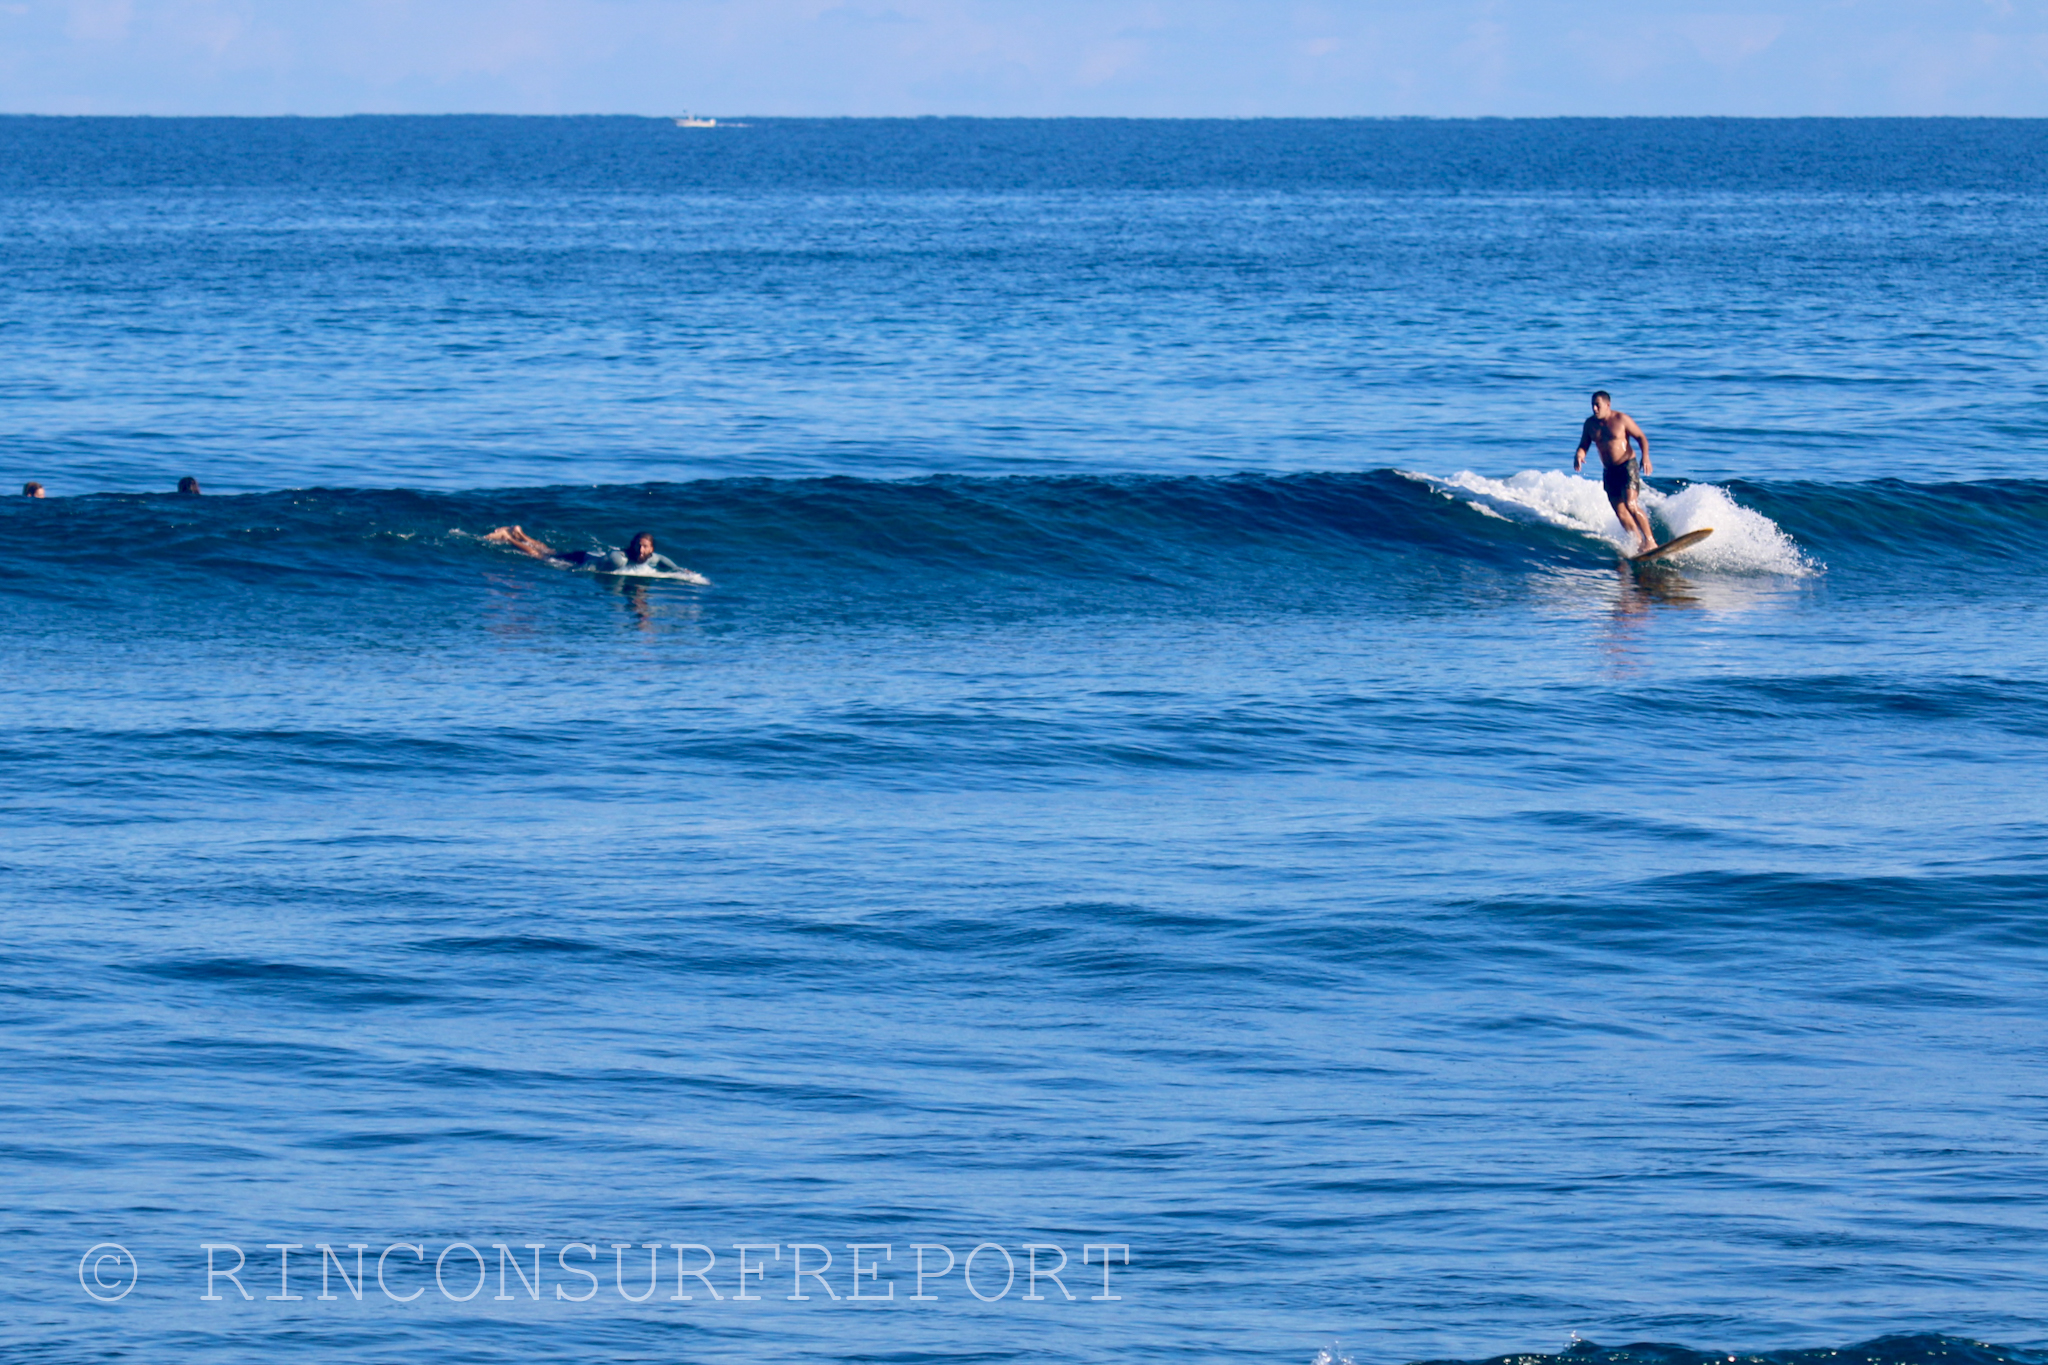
[
  {"x": 1637, "y": 523},
  {"x": 1624, "y": 485},
  {"x": 1631, "y": 523},
  {"x": 518, "y": 540},
  {"x": 1635, "y": 505}
]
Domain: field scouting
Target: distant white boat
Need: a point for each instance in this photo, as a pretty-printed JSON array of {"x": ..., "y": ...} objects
[{"x": 691, "y": 121}]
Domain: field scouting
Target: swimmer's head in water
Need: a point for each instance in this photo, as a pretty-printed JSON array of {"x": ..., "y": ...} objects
[
  {"x": 640, "y": 548},
  {"x": 31, "y": 489},
  {"x": 188, "y": 484}
]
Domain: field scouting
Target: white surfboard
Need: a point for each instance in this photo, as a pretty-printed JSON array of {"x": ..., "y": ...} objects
[{"x": 642, "y": 571}]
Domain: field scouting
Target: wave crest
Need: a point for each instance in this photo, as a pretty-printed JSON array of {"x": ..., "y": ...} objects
[{"x": 1745, "y": 541}]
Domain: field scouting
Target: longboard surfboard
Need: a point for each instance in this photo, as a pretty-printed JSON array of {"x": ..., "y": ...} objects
[{"x": 1671, "y": 547}]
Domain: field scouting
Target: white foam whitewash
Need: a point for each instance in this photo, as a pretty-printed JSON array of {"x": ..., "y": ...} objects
[{"x": 1744, "y": 541}]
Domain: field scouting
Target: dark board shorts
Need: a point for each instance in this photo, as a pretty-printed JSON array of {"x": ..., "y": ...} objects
[{"x": 1622, "y": 481}]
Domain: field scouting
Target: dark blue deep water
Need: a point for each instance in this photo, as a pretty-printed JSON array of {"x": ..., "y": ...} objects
[{"x": 1166, "y": 759}]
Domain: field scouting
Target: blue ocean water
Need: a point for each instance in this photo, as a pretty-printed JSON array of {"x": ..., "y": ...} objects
[{"x": 1167, "y": 759}]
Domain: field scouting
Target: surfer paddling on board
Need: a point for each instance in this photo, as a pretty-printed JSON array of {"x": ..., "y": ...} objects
[
  {"x": 639, "y": 551},
  {"x": 1610, "y": 432}
]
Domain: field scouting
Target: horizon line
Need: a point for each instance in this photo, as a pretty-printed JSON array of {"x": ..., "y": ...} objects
[{"x": 1089, "y": 118}]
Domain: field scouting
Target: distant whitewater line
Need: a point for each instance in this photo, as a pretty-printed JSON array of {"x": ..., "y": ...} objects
[{"x": 1928, "y": 1348}]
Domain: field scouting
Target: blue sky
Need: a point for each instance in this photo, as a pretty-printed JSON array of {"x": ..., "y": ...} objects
[{"x": 1032, "y": 57}]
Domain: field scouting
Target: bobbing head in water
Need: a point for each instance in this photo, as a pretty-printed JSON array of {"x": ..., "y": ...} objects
[{"x": 188, "y": 484}]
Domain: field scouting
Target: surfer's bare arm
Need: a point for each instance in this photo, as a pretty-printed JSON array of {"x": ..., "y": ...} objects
[
  {"x": 1630, "y": 429},
  {"x": 1586, "y": 435},
  {"x": 519, "y": 540}
]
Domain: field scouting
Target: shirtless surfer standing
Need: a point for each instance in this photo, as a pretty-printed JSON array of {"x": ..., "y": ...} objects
[{"x": 1611, "y": 431}]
